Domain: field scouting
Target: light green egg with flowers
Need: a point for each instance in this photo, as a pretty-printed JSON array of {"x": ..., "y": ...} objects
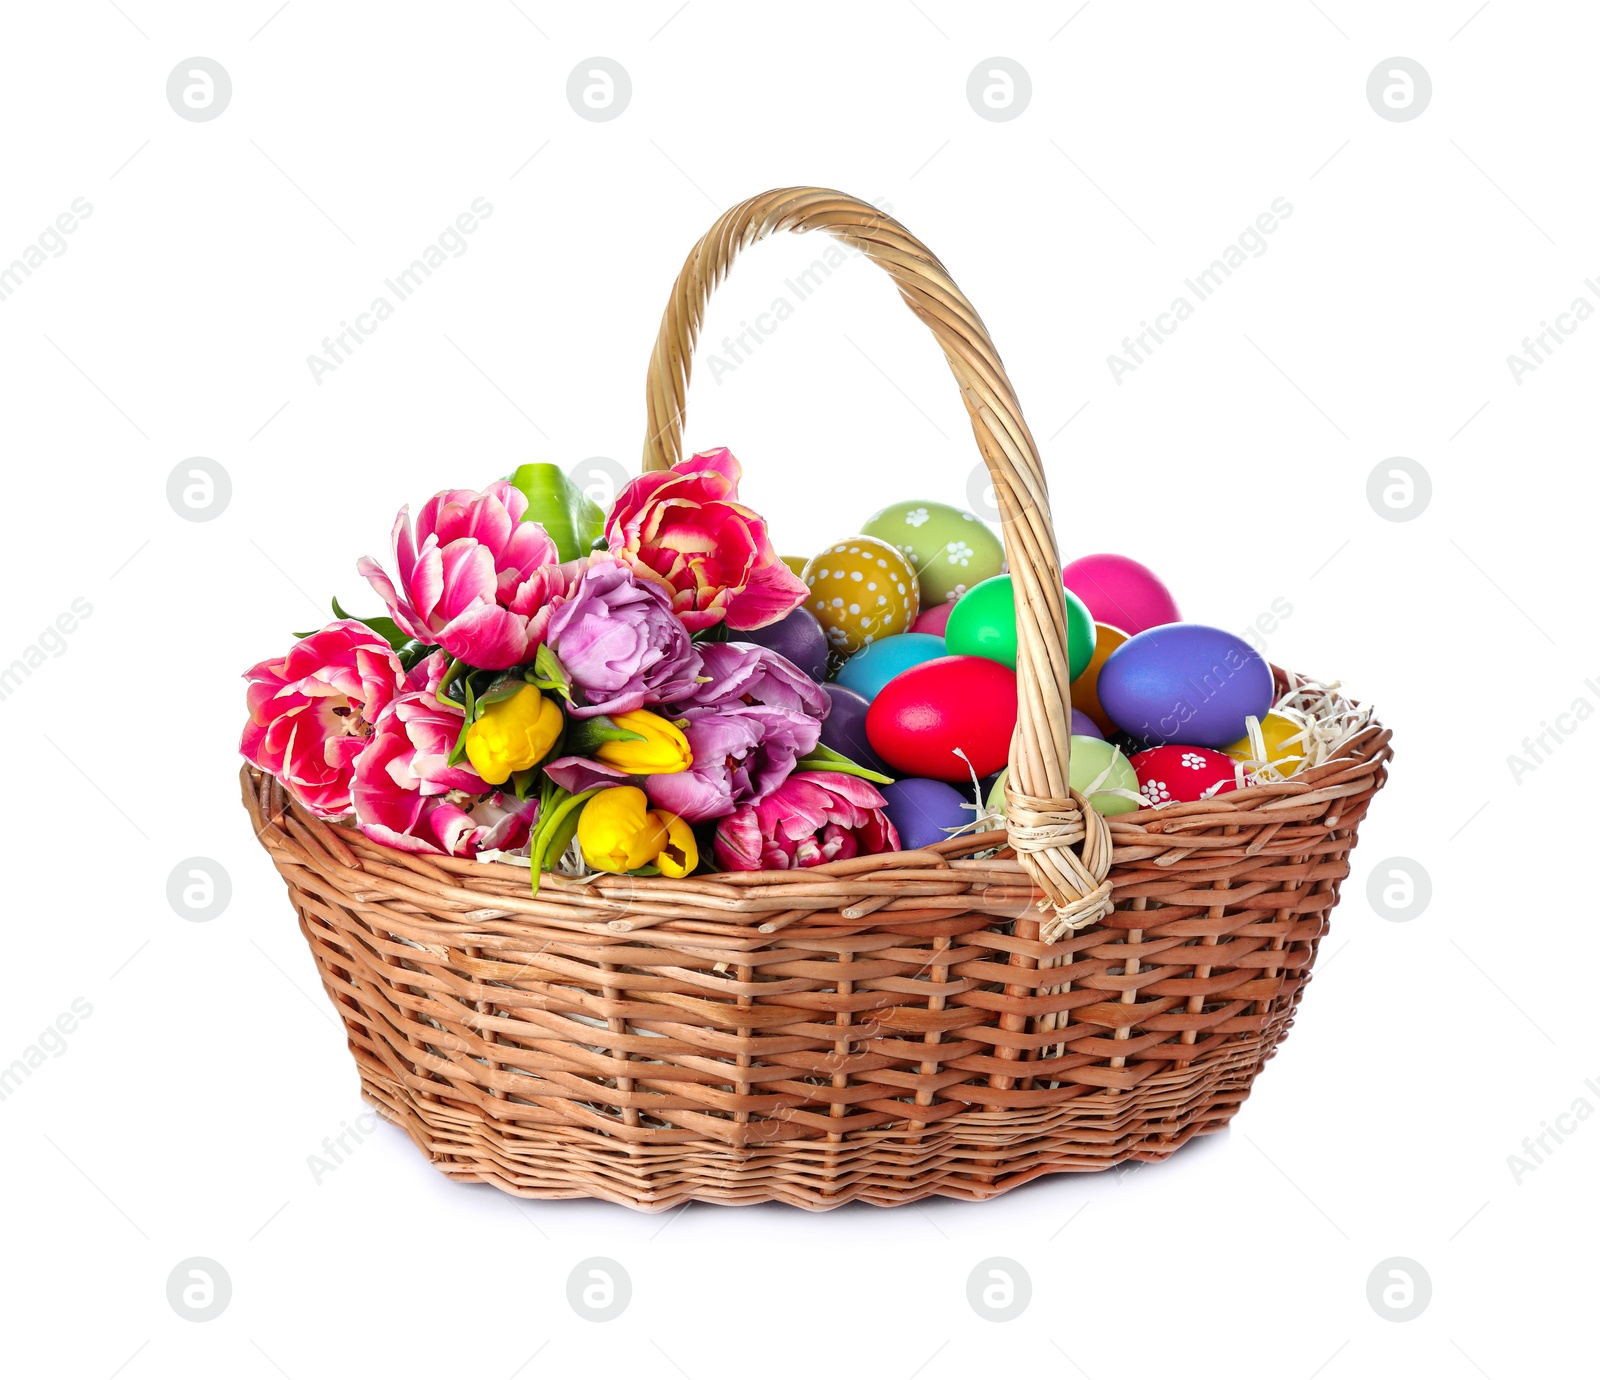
[
  {"x": 950, "y": 549},
  {"x": 1095, "y": 763}
]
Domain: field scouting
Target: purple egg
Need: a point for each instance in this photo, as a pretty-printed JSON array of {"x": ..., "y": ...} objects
[
  {"x": 1185, "y": 683},
  {"x": 924, "y": 811},
  {"x": 1083, "y": 726},
  {"x": 798, "y": 638},
  {"x": 845, "y": 728}
]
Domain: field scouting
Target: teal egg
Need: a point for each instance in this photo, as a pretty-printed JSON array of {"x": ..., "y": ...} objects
[
  {"x": 876, "y": 664},
  {"x": 950, "y": 549}
]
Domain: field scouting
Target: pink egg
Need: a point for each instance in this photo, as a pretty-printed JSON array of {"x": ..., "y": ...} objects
[
  {"x": 933, "y": 620},
  {"x": 1179, "y": 771},
  {"x": 1121, "y": 592}
]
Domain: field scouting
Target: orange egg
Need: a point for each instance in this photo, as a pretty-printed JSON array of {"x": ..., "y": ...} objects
[{"x": 1085, "y": 693}]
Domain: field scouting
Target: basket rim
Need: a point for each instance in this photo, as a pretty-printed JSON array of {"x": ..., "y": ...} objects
[{"x": 1167, "y": 827}]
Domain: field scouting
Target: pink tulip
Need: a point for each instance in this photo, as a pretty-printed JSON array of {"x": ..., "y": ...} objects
[
  {"x": 407, "y": 796},
  {"x": 312, "y": 711},
  {"x": 814, "y": 817},
  {"x": 474, "y": 578},
  {"x": 685, "y": 529}
]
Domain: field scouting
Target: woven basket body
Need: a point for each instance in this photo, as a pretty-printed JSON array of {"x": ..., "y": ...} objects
[{"x": 947, "y": 1021}]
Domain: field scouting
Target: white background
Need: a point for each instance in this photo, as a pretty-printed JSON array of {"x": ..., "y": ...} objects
[{"x": 179, "y": 1119}]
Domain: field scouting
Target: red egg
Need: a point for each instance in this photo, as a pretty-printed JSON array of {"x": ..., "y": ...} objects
[
  {"x": 927, "y": 712},
  {"x": 1178, "y": 771}
]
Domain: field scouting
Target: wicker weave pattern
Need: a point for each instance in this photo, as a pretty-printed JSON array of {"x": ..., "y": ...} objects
[
  {"x": 883, "y": 1034},
  {"x": 946, "y": 1021}
]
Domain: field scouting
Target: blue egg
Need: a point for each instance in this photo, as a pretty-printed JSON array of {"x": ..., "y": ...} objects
[
  {"x": 924, "y": 811},
  {"x": 1185, "y": 683},
  {"x": 876, "y": 664}
]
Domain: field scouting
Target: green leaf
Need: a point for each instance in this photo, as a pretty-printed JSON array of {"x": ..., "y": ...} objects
[
  {"x": 386, "y": 628},
  {"x": 826, "y": 759},
  {"x": 502, "y": 689},
  {"x": 565, "y": 827},
  {"x": 585, "y": 735},
  {"x": 569, "y": 515},
  {"x": 558, "y": 822},
  {"x": 469, "y": 716},
  {"x": 549, "y": 674},
  {"x": 410, "y": 653}
]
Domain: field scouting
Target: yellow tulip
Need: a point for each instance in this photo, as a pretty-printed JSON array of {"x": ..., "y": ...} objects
[
  {"x": 681, "y": 855},
  {"x": 619, "y": 832},
  {"x": 663, "y": 751},
  {"x": 512, "y": 735}
]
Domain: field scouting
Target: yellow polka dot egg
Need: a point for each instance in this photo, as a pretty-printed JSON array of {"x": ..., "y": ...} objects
[{"x": 862, "y": 590}]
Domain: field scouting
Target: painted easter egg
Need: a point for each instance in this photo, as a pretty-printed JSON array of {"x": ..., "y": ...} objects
[
  {"x": 1284, "y": 741},
  {"x": 1095, "y": 762},
  {"x": 876, "y": 664},
  {"x": 994, "y": 792},
  {"x": 949, "y": 548},
  {"x": 797, "y": 637},
  {"x": 845, "y": 728},
  {"x": 795, "y": 563},
  {"x": 925, "y": 811},
  {"x": 1098, "y": 763},
  {"x": 1185, "y": 683},
  {"x": 861, "y": 589},
  {"x": 1084, "y": 727},
  {"x": 1121, "y": 592},
  {"x": 933, "y": 619},
  {"x": 928, "y": 714},
  {"x": 1180, "y": 771},
  {"x": 984, "y": 623},
  {"x": 1085, "y": 686}
]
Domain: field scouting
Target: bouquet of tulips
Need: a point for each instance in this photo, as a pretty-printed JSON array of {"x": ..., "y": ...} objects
[{"x": 567, "y": 686}]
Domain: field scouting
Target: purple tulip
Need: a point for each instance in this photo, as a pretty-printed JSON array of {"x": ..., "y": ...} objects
[
  {"x": 748, "y": 724},
  {"x": 741, "y": 672},
  {"x": 621, "y": 643},
  {"x": 742, "y": 754}
]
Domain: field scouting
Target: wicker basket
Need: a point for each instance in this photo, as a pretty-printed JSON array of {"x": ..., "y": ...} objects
[{"x": 947, "y": 1021}]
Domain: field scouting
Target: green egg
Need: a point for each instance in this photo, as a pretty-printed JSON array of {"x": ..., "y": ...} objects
[
  {"x": 949, "y": 548},
  {"x": 984, "y": 623},
  {"x": 1090, "y": 759}
]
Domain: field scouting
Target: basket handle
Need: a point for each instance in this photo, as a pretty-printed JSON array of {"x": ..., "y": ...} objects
[{"x": 1045, "y": 819}]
